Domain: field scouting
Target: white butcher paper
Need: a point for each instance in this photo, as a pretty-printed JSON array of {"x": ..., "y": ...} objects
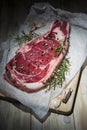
[{"x": 44, "y": 12}]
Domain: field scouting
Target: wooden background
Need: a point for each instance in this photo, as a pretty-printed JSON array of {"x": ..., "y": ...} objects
[{"x": 12, "y": 14}]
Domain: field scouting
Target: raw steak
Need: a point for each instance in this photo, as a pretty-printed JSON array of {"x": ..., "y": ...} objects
[{"x": 35, "y": 61}]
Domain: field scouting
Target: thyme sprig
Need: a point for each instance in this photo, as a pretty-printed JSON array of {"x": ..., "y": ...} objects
[
  {"x": 58, "y": 77},
  {"x": 25, "y": 37}
]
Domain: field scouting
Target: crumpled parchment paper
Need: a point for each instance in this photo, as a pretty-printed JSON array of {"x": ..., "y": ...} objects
[{"x": 44, "y": 12}]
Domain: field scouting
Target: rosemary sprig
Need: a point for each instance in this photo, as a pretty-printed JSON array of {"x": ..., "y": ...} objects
[
  {"x": 58, "y": 77},
  {"x": 25, "y": 37},
  {"x": 59, "y": 49}
]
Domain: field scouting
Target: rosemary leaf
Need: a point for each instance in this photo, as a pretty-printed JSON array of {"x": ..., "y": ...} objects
[{"x": 25, "y": 37}]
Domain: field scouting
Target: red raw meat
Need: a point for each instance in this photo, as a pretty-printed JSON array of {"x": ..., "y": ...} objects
[{"x": 35, "y": 61}]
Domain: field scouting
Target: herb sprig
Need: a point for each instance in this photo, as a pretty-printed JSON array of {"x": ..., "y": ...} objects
[
  {"x": 59, "y": 49},
  {"x": 25, "y": 37},
  {"x": 58, "y": 77}
]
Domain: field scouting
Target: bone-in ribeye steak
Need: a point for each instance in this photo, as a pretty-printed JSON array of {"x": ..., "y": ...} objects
[{"x": 36, "y": 60}]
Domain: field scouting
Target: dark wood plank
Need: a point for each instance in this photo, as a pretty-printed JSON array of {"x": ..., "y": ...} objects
[
  {"x": 35, "y": 123},
  {"x": 12, "y": 118}
]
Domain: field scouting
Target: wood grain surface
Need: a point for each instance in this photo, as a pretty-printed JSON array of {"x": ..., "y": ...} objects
[{"x": 80, "y": 110}]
